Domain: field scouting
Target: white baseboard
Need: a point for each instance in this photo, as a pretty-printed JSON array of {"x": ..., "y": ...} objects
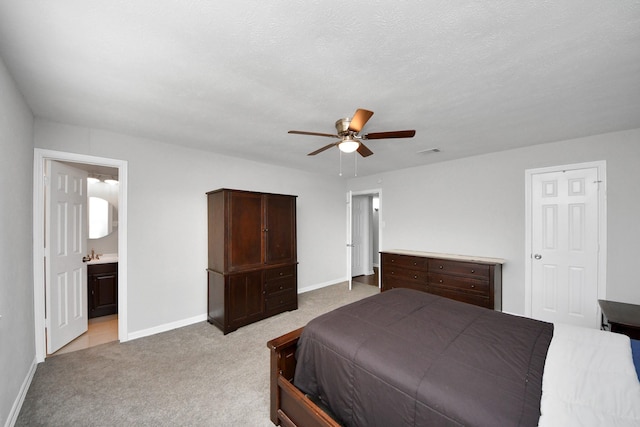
[
  {"x": 321, "y": 285},
  {"x": 17, "y": 404},
  {"x": 203, "y": 317},
  {"x": 166, "y": 327}
]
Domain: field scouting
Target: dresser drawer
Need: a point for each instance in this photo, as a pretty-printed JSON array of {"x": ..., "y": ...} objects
[
  {"x": 398, "y": 282},
  {"x": 280, "y": 272},
  {"x": 110, "y": 267},
  {"x": 281, "y": 299},
  {"x": 469, "y": 298},
  {"x": 469, "y": 269},
  {"x": 459, "y": 283},
  {"x": 392, "y": 271},
  {"x": 405, "y": 261},
  {"x": 285, "y": 284}
]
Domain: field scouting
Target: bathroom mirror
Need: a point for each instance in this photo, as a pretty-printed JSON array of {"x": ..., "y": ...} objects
[{"x": 102, "y": 217}]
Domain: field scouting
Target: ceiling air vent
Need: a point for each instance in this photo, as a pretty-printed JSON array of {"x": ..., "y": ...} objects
[{"x": 429, "y": 151}]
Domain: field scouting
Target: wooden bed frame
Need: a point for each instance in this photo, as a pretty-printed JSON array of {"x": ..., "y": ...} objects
[{"x": 289, "y": 406}]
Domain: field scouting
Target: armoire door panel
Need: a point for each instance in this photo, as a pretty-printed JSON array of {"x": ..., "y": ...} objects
[
  {"x": 279, "y": 229},
  {"x": 245, "y": 297},
  {"x": 245, "y": 231}
]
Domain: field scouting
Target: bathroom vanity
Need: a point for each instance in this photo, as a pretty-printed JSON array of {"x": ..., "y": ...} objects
[{"x": 103, "y": 289}]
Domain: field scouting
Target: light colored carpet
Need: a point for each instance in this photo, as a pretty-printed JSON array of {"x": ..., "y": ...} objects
[{"x": 192, "y": 376}]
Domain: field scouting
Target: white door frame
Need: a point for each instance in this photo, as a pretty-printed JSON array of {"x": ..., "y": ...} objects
[
  {"x": 601, "y": 166},
  {"x": 38, "y": 239},
  {"x": 350, "y": 195},
  {"x": 361, "y": 228}
]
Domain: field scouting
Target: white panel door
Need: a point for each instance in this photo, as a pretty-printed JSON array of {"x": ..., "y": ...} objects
[
  {"x": 564, "y": 270},
  {"x": 359, "y": 230},
  {"x": 65, "y": 242}
]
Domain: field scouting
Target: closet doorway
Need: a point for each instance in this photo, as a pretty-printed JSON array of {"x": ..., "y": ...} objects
[
  {"x": 94, "y": 166},
  {"x": 364, "y": 235}
]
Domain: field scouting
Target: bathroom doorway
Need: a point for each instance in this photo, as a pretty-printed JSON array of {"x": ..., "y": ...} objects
[{"x": 100, "y": 329}]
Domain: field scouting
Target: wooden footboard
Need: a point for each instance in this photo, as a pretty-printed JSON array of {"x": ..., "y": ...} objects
[{"x": 289, "y": 406}]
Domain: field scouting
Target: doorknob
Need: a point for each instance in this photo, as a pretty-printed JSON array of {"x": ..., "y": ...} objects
[{"x": 537, "y": 256}]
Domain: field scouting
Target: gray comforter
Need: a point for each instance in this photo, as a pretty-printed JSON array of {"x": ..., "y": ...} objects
[{"x": 408, "y": 358}]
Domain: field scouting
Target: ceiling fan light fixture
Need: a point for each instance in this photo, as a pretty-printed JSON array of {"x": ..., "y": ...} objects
[
  {"x": 348, "y": 145},
  {"x": 348, "y": 130}
]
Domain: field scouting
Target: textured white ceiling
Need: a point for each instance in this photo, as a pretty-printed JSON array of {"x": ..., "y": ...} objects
[{"x": 234, "y": 76}]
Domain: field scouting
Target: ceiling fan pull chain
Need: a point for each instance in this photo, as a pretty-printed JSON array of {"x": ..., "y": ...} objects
[
  {"x": 355, "y": 173},
  {"x": 340, "y": 162}
]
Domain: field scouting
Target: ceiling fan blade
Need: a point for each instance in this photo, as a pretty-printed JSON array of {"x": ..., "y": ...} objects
[
  {"x": 326, "y": 147},
  {"x": 360, "y": 118},
  {"x": 364, "y": 150},
  {"x": 392, "y": 134},
  {"x": 301, "y": 132}
]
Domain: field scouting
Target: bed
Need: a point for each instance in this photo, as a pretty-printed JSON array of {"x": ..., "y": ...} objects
[{"x": 404, "y": 357}]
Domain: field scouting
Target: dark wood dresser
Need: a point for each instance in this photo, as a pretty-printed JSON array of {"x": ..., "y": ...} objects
[
  {"x": 620, "y": 317},
  {"x": 474, "y": 280},
  {"x": 252, "y": 272}
]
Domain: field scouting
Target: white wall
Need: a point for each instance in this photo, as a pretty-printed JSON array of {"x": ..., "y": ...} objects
[
  {"x": 476, "y": 206},
  {"x": 17, "y": 349},
  {"x": 167, "y": 225}
]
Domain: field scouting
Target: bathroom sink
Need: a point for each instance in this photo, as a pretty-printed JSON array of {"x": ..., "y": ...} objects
[{"x": 104, "y": 259}]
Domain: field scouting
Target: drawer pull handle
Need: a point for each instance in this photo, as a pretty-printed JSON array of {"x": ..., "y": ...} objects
[
  {"x": 440, "y": 267},
  {"x": 415, "y": 263},
  {"x": 440, "y": 280},
  {"x": 473, "y": 286},
  {"x": 281, "y": 288},
  {"x": 415, "y": 277},
  {"x": 281, "y": 273},
  {"x": 393, "y": 272},
  {"x": 473, "y": 271}
]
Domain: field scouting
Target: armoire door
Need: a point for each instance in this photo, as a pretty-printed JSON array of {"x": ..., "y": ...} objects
[
  {"x": 244, "y": 230},
  {"x": 280, "y": 229},
  {"x": 245, "y": 298}
]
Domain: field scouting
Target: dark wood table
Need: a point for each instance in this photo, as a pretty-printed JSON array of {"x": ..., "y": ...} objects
[{"x": 621, "y": 317}]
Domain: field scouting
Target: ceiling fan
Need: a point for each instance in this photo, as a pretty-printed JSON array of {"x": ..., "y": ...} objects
[{"x": 349, "y": 134}]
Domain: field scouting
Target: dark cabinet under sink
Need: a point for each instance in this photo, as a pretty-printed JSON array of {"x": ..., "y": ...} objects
[{"x": 103, "y": 289}]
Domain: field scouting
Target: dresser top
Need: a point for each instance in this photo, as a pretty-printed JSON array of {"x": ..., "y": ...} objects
[
  {"x": 446, "y": 256},
  {"x": 621, "y": 313}
]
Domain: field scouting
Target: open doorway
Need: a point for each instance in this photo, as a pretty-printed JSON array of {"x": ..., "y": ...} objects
[
  {"x": 102, "y": 168},
  {"x": 100, "y": 258},
  {"x": 364, "y": 237}
]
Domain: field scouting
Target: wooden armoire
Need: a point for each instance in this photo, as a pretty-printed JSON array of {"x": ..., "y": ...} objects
[{"x": 252, "y": 272}]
